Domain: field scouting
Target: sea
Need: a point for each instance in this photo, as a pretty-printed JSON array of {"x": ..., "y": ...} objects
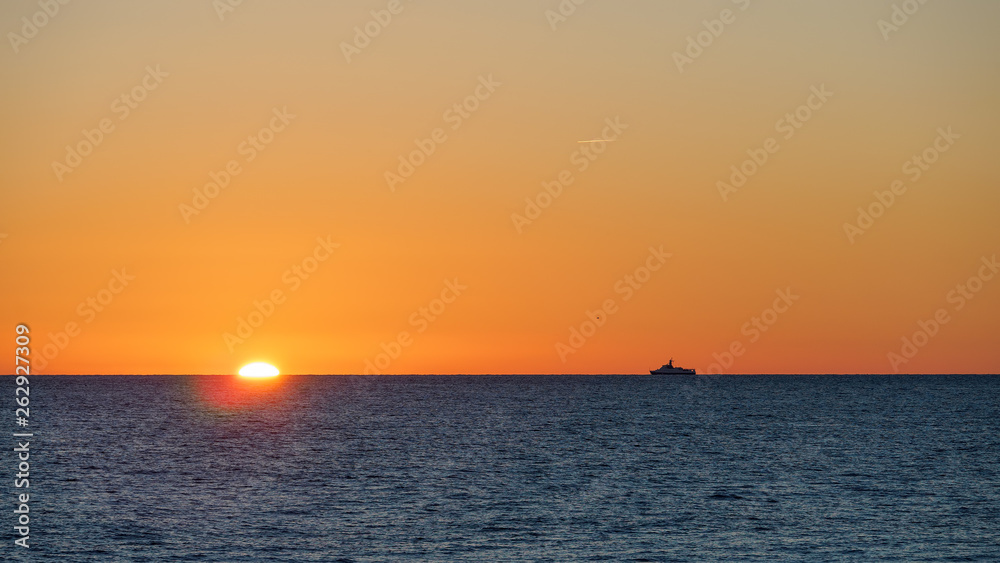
[{"x": 507, "y": 468}]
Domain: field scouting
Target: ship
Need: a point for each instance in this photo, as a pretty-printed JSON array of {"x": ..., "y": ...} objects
[{"x": 670, "y": 369}]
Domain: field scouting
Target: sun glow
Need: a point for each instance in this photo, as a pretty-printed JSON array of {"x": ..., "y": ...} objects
[{"x": 258, "y": 369}]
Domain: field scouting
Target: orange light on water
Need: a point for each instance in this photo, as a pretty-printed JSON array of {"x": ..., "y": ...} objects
[{"x": 235, "y": 393}]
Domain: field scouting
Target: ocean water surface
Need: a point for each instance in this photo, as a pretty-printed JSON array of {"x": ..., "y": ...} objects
[{"x": 511, "y": 468}]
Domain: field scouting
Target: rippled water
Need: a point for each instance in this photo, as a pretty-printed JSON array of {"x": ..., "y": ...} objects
[{"x": 509, "y": 468}]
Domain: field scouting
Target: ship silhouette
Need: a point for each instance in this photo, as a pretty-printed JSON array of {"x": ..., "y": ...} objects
[{"x": 670, "y": 369}]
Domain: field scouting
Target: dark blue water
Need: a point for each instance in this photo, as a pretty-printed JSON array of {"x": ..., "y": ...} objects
[{"x": 512, "y": 468}]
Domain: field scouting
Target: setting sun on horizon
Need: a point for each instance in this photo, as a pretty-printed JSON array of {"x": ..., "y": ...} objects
[{"x": 258, "y": 369}]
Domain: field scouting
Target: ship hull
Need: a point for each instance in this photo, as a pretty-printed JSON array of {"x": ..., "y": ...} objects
[{"x": 674, "y": 371}]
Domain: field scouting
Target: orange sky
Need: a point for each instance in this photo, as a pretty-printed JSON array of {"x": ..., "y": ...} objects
[{"x": 301, "y": 121}]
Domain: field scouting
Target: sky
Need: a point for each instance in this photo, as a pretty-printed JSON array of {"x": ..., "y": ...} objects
[{"x": 399, "y": 186}]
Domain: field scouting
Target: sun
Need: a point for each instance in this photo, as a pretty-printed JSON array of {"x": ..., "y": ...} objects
[{"x": 258, "y": 369}]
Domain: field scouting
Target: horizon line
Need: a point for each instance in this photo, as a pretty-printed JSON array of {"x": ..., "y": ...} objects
[{"x": 481, "y": 374}]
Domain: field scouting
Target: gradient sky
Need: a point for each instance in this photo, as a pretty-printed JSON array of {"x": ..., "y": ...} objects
[{"x": 323, "y": 176}]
